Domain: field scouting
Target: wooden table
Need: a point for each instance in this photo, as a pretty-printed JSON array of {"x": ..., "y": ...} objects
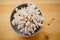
[{"x": 49, "y": 31}]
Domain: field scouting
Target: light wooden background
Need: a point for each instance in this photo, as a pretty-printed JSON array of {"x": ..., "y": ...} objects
[{"x": 51, "y": 13}]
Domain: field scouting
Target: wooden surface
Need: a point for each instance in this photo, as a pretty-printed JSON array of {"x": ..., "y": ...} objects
[{"x": 49, "y": 31}]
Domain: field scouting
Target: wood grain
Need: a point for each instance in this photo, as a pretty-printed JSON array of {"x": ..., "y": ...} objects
[{"x": 49, "y": 31}]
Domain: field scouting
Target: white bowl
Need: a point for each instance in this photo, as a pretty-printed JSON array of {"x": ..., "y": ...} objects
[{"x": 14, "y": 27}]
